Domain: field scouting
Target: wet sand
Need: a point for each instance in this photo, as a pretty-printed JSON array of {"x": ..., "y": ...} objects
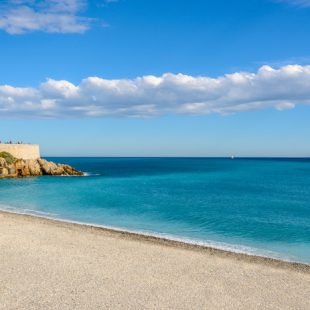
[{"x": 48, "y": 264}]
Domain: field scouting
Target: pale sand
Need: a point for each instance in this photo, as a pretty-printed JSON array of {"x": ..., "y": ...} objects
[{"x": 45, "y": 264}]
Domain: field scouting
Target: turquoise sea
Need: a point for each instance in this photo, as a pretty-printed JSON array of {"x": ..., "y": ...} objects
[{"x": 258, "y": 206}]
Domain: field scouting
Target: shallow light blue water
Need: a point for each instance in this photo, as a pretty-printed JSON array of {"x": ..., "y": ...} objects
[{"x": 259, "y": 206}]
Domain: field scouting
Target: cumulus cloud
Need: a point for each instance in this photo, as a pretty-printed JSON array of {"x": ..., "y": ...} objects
[
  {"x": 54, "y": 16},
  {"x": 146, "y": 96}
]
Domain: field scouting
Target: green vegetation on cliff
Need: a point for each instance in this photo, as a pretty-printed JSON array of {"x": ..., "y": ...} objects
[{"x": 9, "y": 158}]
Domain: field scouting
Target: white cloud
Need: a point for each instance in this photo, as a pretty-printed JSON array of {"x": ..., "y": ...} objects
[
  {"x": 55, "y": 16},
  {"x": 282, "y": 88}
]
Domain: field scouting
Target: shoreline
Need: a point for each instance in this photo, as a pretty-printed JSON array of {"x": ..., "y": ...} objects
[
  {"x": 164, "y": 241},
  {"x": 51, "y": 264}
]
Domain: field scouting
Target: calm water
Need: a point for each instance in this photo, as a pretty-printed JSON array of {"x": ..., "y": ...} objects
[{"x": 259, "y": 206}]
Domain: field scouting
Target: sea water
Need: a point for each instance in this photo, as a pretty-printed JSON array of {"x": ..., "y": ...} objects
[{"x": 256, "y": 206}]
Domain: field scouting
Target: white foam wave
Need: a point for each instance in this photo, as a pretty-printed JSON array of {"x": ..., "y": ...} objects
[
  {"x": 89, "y": 174},
  {"x": 12, "y": 209},
  {"x": 30, "y": 211}
]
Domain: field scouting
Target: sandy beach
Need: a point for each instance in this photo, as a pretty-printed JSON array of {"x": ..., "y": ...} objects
[{"x": 46, "y": 264}]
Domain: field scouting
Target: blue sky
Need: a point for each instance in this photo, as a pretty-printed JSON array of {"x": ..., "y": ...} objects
[{"x": 156, "y": 78}]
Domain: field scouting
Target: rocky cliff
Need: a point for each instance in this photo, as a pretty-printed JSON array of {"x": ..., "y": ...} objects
[{"x": 11, "y": 167}]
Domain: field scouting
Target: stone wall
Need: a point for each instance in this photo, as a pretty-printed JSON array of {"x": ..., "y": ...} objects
[{"x": 22, "y": 151}]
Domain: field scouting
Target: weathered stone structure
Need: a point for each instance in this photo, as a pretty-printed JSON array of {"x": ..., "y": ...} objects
[{"x": 22, "y": 151}]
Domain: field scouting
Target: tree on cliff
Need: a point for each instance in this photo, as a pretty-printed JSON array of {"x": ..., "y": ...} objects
[{"x": 9, "y": 158}]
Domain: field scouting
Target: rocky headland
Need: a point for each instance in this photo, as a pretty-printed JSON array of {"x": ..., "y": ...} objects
[{"x": 11, "y": 167}]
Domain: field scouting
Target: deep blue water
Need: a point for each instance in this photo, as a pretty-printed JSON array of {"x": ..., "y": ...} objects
[{"x": 259, "y": 206}]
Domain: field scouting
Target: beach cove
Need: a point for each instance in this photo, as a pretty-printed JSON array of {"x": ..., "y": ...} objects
[{"x": 48, "y": 264}]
